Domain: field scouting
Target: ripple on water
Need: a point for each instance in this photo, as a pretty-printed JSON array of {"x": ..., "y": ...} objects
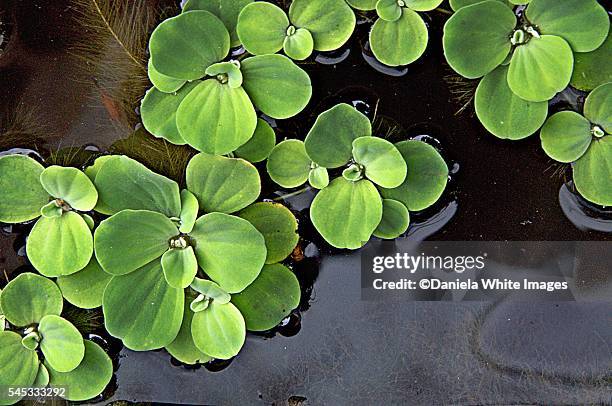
[{"x": 584, "y": 215}]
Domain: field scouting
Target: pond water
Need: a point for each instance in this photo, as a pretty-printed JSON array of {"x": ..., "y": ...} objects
[{"x": 339, "y": 349}]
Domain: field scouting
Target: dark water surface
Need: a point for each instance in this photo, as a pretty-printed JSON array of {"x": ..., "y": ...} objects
[{"x": 347, "y": 351}]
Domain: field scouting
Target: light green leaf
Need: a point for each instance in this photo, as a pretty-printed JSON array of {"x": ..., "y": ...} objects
[
  {"x": 399, "y": 42},
  {"x": 85, "y": 288},
  {"x": 362, "y": 4},
  {"x": 541, "y": 68},
  {"x": 222, "y": 184},
  {"x": 61, "y": 343},
  {"x": 278, "y": 226},
  {"x": 60, "y": 245},
  {"x": 298, "y": 44},
  {"x": 346, "y": 213},
  {"x": 70, "y": 185},
  {"x": 183, "y": 348},
  {"x": 422, "y": 5},
  {"x": 88, "y": 220},
  {"x": 219, "y": 331},
  {"x": 189, "y": 211},
  {"x": 226, "y": 10},
  {"x": 30, "y": 297},
  {"x": 262, "y": 28},
  {"x": 318, "y": 177},
  {"x": 388, "y": 10},
  {"x": 18, "y": 366},
  {"x": 139, "y": 189},
  {"x": 92, "y": 170},
  {"x": 288, "y": 164},
  {"x": 426, "y": 179},
  {"x": 42, "y": 377},
  {"x": 383, "y": 163},
  {"x": 22, "y": 194},
  {"x": 259, "y": 147},
  {"x": 216, "y": 118},
  {"x": 226, "y": 72},
  {"x": 210, "y": 290},
  {"x": 268, "y": 300},
  {"x": 180, "y": 267},
  {"x": 502, "y": 112},
  {"x": 51, "y": 210},
  {"x": 276, "y": 85},
  {"x": 395, "y": 220},
  {"x": 330, "y": 141},
  {"x": 583, "y": 24},
  {"x": 158, "y": 112},
  {"x": 598, "y": 107},
  {"x": 142, "y": 310},
  {"x": 163, "y": 83},
  {"x": 566, "y": 136},
  {"x": 477, "y": 38},
  {"x": 592, "y": 172},
  {"x": 131, "y": 239},
  {"x": 592, "y": 69},
  {"x": 229, "y": 249},
  {"x": 457, "y": 4},
  {"x": 331, "y": 22},
  {"x": 89, "y": 379},
  {"x": 181, "y": 56}
]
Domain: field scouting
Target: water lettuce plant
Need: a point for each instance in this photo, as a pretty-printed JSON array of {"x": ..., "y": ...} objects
[
  {"x": 585, "y": 140},
  {"x": 46, "y": 349},
  {"x": 60, "y": 242},
  {"x": 399, "y": 36},
  {"x": 322, "y": 25},
  {"x": 203, "y": 98},
  {"x": 378, "y": 186}
]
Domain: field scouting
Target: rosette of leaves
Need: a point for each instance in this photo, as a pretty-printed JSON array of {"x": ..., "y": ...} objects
[
  {"x": 209, "y": 101},
  {"x": 379, "y": 182},
  {"x": 44, "y": 348},
  {"x": 399, "y": 36},
  {"x": 60, "y": 242},
  {"x": 322, "y": 25},
  {"x": 585, "y": 140}
]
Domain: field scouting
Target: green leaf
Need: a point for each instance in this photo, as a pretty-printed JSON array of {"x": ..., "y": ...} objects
[
  {"x": 395, "y": 220},
  {"x": 422, "y": 5},
  {"x": 42, "y": 377},
  {"x": 158, "y": 112},
  {"x": 211, "y": 290},
  {"x": 131, "y": 239},
  {"x": 268, "y": 300},
  {"x": 89, "y": 379},
  {"x": 259, "y": 147},
  {"x": 426, "y": 179},
  {"x": 229, "y": 249},
  {"x": 226, "y": 10},
  {"x": 288, "y": 164},
  {"x": 598, "y": 107},
  {"x": 226, "y": 72},
  {"x": 399, "y": 42},
  {"x": 331, "y": 22},
  {"x": 276, "y": 85},
  {"x": 189, "y": 211},
  {"x": 318, "y": 177},
  {"x": 70, "y": 185},
  {"x": 541, "y": 68},
  {"x": 180, "y": 267},
  {"x": 222, "y": 184},
  {"x": 592, "y": 172},
  {"x": 383, "y": 163},
  {"x": 330, "y": 141},
  {"x": 216, "y": 118},
  {"x": 18, "y": 366},
  {"x": 139, "y": 189},
  {"x": 566, "y": 136},
  {"x": 61, "y": 343},
  {"x": 163, "y": 83},
  {"x": 85, "y": 288},
  {"x": 60, "y": 245},
  {"x": 184, "y": 46},
  {"x": 389, "y": 10},
  {"x": 346, "y": 213},
  {"x": 142, "y": 310},
  {"x": 362, "y": 4},
  {"x": 183, "y": 348},
  {"x": 22, "y": 194},
  {"x": 592, "y": 69},
  {"x": 457, "y": 4},
  {"x": 583, "y": 24},
  {"x": 278, "y": 226},
  {"x": 92, "y": 170},
  {"x": 262, "y": 28},
  {"x": 30, "y": 297},
  {"x": 477, "y": 38},
  {"x": 502, "y": 112},
  {"x": 299, "y": 44},
  {"x": 51, "y": 210},
  {"x": 219, "y": 331}
]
